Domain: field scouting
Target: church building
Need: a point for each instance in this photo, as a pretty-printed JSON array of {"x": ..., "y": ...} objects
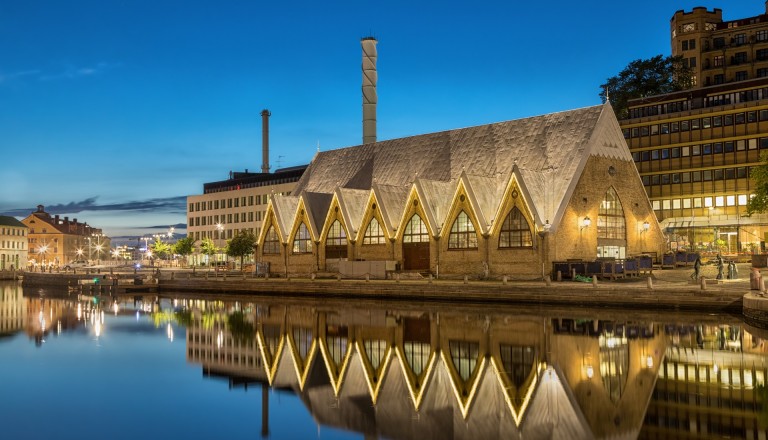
[{"x": 503, "y": 199}]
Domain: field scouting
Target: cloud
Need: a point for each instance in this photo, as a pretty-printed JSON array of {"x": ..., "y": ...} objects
[
  {"x": 171, "y": 205},
  {"x": 70, "y": 72}
]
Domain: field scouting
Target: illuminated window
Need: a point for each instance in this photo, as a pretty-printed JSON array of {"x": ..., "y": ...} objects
[
  {"x": 271, "y": 242},
  {"x": 302, "y": 338},
  {"x": 697, "y": 202},
  {"x": 336, "y": 340},
  {"x": 374, "y": 234},
  {"x": 719, "y": 201},
  {"x": 614, "y": 364},
  {"x": 417, "y": 355},
  {"x": 337, "y": 236},
  {"x": 730, "y": 200},
  {"x": 464, "y": 355},
  {"x": 463, "y": 235},
  {"x": 517, "y": 362},
  {"x": 302, "y": 242},
  {"x": 515, "y": 231},
  {"x": 375, "y": 349},
  {"x": 742, "y": 199},
  {"x": 707, "y": 202},
  {"x": 415, "y": 231}
]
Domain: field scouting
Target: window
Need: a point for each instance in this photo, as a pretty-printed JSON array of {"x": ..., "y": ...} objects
[
  {"x": 302, "y": 242},
  {"x": 610, "y": 219},
  {"x": 761, "y": 35},
  {"x": 415, "y": 231},
  {"x": 762, "y": 72},
  {"x": 740, "y": 39},
  {"x": 373, "y": 234},
  {"x": 337, "y": 236},
  {"x": 718, "y": 60},
  {"x": 271, "y": 242},
  {"x": 719, "y": 78},
  {"x": 718, "y": 43},
  {"x": 515, "y": 231},
  {"x": 741, "y": 75},
  {"x": 463, "y": 235},
  {"x": 464, "y": 355},
  {"x": 740, "y": 58}
]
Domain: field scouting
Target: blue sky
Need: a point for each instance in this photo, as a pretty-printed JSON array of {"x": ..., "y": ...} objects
[{"x": 113, "y": 111}]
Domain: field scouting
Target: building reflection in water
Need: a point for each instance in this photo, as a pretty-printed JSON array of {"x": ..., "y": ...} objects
[
  {"x": 397, "y": 371},
  {"x": 441, "y": 373}
]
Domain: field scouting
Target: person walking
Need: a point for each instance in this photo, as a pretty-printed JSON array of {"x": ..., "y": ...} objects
[
  {"x": 720, "y": 266},
  {"x": 696, "y": 268}
]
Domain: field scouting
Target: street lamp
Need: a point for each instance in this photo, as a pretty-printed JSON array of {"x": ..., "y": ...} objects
[
  {"x": 41, "y": 254},
  {"x": 219, "y": 229},
  {"x": 98, "y": 253}
]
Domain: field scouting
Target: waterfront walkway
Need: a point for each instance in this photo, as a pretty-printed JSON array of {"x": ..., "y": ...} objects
[{"x": 667, "y": 289}]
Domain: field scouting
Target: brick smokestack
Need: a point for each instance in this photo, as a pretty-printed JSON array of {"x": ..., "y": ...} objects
[
  {"x": 265, "y": 114},
  {"x": 370, "y": 78}
]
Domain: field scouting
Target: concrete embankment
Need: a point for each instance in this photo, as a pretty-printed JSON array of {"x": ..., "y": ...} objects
[{"x": 688, "y": 297}]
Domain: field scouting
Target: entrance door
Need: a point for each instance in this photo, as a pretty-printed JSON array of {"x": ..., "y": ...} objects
[{"x": 416, "y": 245}]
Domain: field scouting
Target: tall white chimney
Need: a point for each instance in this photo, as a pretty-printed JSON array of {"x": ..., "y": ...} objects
[
  {"x": 265, "y": 114},
  {"x": 370, "y": 78}
]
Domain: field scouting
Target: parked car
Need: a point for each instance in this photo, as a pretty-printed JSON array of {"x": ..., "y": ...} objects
[{"x": 75, "y": 265}]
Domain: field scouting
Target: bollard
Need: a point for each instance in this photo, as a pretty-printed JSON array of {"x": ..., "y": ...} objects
[
  {"x": 338, "y": 277},
  {"x": 559, "y": 276},
  {"x": 762, "y": 285},
  {"x": 430, "y": 279},
  {"x": 465, "y": 279},
  {"x": 547, "y": 281},
  {"x": 266, "y": 275},
  {"x": 397, "y": 277},
  {"x": 367, "y": 278},
  {"x": 594, "y": 281},
  {"x": 312, "y": 276},
  {"x": 173, "y": 275},
  {"x": 189, "y": 276},
  {"x": 504, "y": 280},
  {"x": 703, "y": 283},
  {"x": 573, "y": 274},
  {"x": 244, "y": 277},
  {"x": 206, "y": 275},
  {"x": 225, "y": 275},
  {"x": 650, "y": 283}
]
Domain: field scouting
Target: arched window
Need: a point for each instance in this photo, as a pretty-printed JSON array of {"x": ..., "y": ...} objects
[
  {"x": 610, "y": 220},
  {"x": 515, "y": 231},
  {"x": 415, "y": 231},
  {"x": 271, "y": 242},
  {"x": 337, "y": 236},
  {"x": 463, "y": 235},
  {"x": 611, "y": 227},
  {"x": 374, "y": 234},
  {"x": 302, "y": 242}
]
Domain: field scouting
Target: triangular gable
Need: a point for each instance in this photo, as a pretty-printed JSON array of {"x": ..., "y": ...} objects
[
  {"x": 372, "y": 208},
  {"x": 374, "y": 377},
  {"x": 353, "y": 206},
  {"x": 285, "y": 208},
  {"x": 316, "y": 206},
  {"x": 415, "y": 205},
  {"x": 416, "y": 384},
  {"x": 553, "y": 411},
  {"x": 284, "y": 374},
  {"x": 436, "y": 198},
  {"x": 269, "y": 359},
  {"x": 485, "y": 195},
  {"x": 517, "y": 411},
  {"x": 392, "y": 200},
  {"x": 463, "y": 391},
  {"x": 607, "y": 139},
  {"x": 335, "y": 371},
  {"x": 302, "y": 364},
  {"x": 516, "y": 193}
]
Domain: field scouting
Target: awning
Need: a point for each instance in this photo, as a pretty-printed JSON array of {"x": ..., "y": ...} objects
[{"x": 715, "y": 221}]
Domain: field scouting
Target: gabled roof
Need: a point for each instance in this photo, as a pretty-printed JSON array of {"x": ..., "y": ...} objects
[
  {"x": 547, "y": 152},
  {"x": 485, "y": 194},
  {"x": 285, "y": 209},
  {"x": 437, "y": 197},
  {"x": 352, "y": 202},
  {"x": 316, "y": 205},
  {"x": 11, "y": 221}
]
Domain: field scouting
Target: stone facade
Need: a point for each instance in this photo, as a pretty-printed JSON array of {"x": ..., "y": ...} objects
[{"x": 513, "y": 221}]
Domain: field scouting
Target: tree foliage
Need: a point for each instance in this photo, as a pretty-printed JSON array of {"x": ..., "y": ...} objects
[
  {"x": 241, "y": 245},
  {"x": 160, "y": 248},
  {"x": 208, "y": 247},
  {"x": 642, "y": 78},
  {"x": 184, "y": 246},
  {"x": 759, "y": 175}
]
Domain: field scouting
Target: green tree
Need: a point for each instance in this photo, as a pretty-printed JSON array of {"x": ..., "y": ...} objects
[
  {"x": 184, "y": 247},
  {"x": 160, "y": 248},
  {"x": 241, "y": 245},
  {"x": 208, "y": 247},
  {"x": 642, "y": 78},
  {"x": 759, "y": 175}
]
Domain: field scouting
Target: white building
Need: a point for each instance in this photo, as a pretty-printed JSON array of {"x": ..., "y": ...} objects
[{"x": 14, "y": 246}]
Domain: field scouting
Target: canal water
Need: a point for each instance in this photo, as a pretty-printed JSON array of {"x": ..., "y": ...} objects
[{"x": 185, "y": 366}]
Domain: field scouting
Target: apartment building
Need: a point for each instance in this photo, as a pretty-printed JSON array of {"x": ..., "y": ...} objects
[
  {"x": 13, "y": 244},
  {"x": 694, "y": 149}
]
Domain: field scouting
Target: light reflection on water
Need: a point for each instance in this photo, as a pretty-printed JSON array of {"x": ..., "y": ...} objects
[{"x": 346, "y": 369}]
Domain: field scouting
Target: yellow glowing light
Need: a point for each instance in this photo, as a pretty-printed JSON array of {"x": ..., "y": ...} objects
[
  {"x": 649, "y": 362},
  {"x": 590, "y": 371}
]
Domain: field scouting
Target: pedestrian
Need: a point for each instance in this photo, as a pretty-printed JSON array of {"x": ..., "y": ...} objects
[
  {"x": 720, "y": 266},
  {"x": 696, "y": 268},
  {"x": 732, "y": 270}
]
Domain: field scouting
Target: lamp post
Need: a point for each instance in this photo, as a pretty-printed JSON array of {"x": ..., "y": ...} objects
[
  {"x": 41, "y": 255},
  {"x": 219, "y": 230}
]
